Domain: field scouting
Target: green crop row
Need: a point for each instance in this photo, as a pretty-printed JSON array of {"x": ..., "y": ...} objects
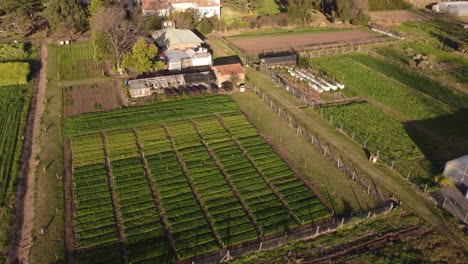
[
  {"x": 379, "y": 131},
  {"x": 189, "y": 228},
  {"x": 299, "y": 198},
  {"x": 364, "y": 81},
  {"x": 140, "y": 218},
  {"x": 270, "y": 214},
  {"x": 94, "y": 221},
  {"x": 87, "y": 150},
  {"x": 149, "y": 114},
  {"x": 76, "y": 62},
  {"x": 12, "y": 112},
  {"x": 230, "y": 221},
  {"x": 121, "y": 145}
]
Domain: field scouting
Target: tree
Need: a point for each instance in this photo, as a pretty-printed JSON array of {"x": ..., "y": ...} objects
[
  {"x": 266, "y": 7},
  {"x": 21, "y": 14},
  {"x": 186, "y": 19},
  {"x": 205, "y": 26},
  {"x": 65, "y": 13},
  {"x": 119, "y": 32},
  {"x": 94, "y": 7},
  {"x": 235, "y": 79},
  {"x": 343, "y": 7},
  {"x": 141, "y": 57},
  {"x": 159, "y": 65}
]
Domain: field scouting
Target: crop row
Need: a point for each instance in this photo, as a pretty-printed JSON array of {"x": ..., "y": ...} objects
[
  {"x": 379, "y": 131},
  {"x": 365, "y": 81},
  {"x": 87, "y": 150},
  {"x": 230, "y": 220},
  {"x": 187, "y": 223},
  {"x": 141, "y": 224},
  {"x": 76, "y": 62},
  {"x": 149, "y": 114},
  {"x": 94, "y": 222},
  {"x": 304, "y": 204},
  {"x": 270, "y": 214},
  {"x": 11, "y": 110}
]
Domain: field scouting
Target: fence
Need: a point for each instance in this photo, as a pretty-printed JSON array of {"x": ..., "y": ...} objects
[
  {"x": 323, "y": 147},
  {"x": 307, "y": 232},
  {"x": 406, "y": 173}
]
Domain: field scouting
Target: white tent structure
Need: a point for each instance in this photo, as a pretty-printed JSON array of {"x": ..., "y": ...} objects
[
  {"x": 457, "y": 170},
  {"x": 455, "y": 8}
]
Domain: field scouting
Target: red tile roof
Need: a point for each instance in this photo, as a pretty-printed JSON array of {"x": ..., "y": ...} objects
[{"x": 229, "y": 69}]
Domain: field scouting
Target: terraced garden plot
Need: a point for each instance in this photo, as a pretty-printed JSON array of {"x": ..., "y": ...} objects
[
  {"x": 230, "y": 220},
  {"x": 183, "y": 187},
  {"x": 187, "y": 223},
  {"x": 303, "y": 203},
  {"x": 94, "y": 222},
  {"x": 270, "y": 214},
  {"x": 141, "y": 224}
]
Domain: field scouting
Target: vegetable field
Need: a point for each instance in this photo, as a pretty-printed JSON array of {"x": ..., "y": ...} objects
[
  {"x": 14, "y": 101},
  {"x": 177, "y": 188},
  {"x": 76, "y": 61},
  {"x": 364, "y": 80},
  {"x": 370, "y": 125}
]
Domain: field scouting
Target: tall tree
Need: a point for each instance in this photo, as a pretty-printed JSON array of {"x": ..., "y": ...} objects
[
  {"x": 67, "y": 13},
  {"x": 141, "y": 57},
  {"x": 21, "y": 14},
  {"x": 117, "y": 30},
  {"x": 266, "y": 7},
  {"x": 343, "y": 7}
]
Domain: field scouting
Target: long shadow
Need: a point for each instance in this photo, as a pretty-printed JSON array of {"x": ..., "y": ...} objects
[
  {"x": 227, "y": 60},
  {"x": 445, "y": 137}
]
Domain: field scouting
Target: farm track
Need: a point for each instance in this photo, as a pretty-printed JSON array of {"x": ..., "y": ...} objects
[
  {"x": 187, "y": 175},
  {"x": 115, "y": 203},
  {"x": 381, "y": 175},
  {"x": 156, "y": 197},
  {"x": 69, "y": 203},
  {"x": 21, "y": 231},
  {"x": 236, "y": 192},
  {"x": 262, "y": 175},
  {"x": 363, "y": 244}
]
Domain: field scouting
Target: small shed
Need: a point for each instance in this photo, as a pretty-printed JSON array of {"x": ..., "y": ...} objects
[
  {"x": 458, "y": 10},
  {"x": 285, "y": 60},
  {"x": 226, "y": 73},
  {"x": 457, "y": 170}
]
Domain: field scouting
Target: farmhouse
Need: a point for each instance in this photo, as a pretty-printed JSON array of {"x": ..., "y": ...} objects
[
  {"x": 229, "y": 73},
  {"x": 173, "y": 38},
  {"x": 456, "y": 8},
  {"x": 205, "y": 8}
]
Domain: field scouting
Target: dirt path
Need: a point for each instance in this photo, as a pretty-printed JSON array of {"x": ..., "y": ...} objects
[
  {"x": 69, "y": 203},
  {"x": 381, "y": 175},
  {"x": 22, "y": 238}
]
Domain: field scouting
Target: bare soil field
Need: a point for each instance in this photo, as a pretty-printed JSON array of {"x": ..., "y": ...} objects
[
  {"x": 394, "y": 17},
  {"x": 89, "y": 98},
  {"x": 304, "y": 41}
]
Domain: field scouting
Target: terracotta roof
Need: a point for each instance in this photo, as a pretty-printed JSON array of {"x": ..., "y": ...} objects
[{"x": 229, "y": 69}]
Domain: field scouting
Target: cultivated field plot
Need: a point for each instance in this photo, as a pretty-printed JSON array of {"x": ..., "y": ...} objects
[
  {"x": 253, "y": 46},
  {"x": 89, "y": 98},
  {"x": 76, "y": 61},
  {"x": 409, "y": 115},
  {"x": 181, "y": 188}
]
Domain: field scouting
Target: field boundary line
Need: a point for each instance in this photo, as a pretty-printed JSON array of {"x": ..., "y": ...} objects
[
  {"x": 156, "y": 196},
  {"x": 115, "y": 202},
  {"x": 230, "y": 183},
  {"x": 69, "y": 202},
  {"x": 187, "y": 175},
  {"x": 260, "y": 172}
]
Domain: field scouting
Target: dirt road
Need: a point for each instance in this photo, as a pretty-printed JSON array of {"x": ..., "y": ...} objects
[{"x": 21, "y": 235}]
